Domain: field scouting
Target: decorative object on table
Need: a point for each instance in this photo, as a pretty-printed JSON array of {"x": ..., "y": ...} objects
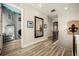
[
  {"x": 29, "y": 24},
  {"x": 45, "y": 26},
  {"x": 39, "y": 23},
  {"x": 73, "y": 29}
]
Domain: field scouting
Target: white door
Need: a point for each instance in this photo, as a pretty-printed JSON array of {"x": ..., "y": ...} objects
[{"x": 1, "y": 42}]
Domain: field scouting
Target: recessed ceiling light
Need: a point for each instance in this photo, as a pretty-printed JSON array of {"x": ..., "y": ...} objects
[
  {"x": 40, "y": 5},
  {"x": 66, "y": 8}
]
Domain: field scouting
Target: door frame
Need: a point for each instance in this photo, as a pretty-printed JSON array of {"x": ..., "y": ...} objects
[
  {"x": 21, "y": 9},
  {"x": 54, "y": 24},
  {"x": 1, "y": 30}
]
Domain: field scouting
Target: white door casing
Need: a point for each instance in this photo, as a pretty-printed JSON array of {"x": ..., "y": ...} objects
[{"x": 1, "y": 41}]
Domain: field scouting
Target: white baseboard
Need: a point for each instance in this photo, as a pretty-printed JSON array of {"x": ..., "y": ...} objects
[{"x": 27, "y": 45}]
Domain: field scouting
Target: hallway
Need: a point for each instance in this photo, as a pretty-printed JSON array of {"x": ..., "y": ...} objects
[
  {"x": 34, "y": 25},
  {"x": 44, "y": 48}
]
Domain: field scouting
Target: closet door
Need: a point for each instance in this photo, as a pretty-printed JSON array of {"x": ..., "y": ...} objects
[{"x": 1, "y": 42}]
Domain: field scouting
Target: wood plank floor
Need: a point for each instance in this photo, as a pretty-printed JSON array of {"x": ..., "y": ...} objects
[
  {"x": 44, "y": 48},
  {"x": 10, "y": 46}
]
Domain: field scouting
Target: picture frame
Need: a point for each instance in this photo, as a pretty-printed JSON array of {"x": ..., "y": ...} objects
[{"x": 29, "y": 24}]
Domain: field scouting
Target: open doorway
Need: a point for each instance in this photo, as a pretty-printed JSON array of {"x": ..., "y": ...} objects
[
  {"x": 11, "y": 28},
  {"x": 55, "y": 30}
]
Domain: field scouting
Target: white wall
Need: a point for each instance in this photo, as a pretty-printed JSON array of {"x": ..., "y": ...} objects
[
  {"x": 65, "y": 16},
  {"x": 50, "y": 27},
  {"x": 77, "y": 38},
  {"x": 54, "y": 19},
  {"x": 28, "y": 33}
]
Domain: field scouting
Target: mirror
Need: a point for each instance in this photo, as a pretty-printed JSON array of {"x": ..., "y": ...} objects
[
  {"x": 9, "y": 33},
  {"x": 38, "y": 26}
]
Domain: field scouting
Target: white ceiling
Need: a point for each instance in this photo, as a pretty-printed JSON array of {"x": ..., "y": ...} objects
[{"x": 59, "y": 7}]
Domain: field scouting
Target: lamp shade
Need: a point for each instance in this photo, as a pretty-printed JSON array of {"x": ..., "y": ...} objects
[{"x": 76, "y": 23}]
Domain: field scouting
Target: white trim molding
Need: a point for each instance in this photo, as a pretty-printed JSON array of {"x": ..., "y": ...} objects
[{"x": 27, "y": 45}]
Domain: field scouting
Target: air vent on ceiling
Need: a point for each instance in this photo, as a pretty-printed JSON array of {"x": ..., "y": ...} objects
[{"x": 53, "y": 10}]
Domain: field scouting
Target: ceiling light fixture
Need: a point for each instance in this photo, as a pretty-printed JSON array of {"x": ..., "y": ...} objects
[
  {"x": 66, "y": 8},
  {"x": 40, "y": 5}
]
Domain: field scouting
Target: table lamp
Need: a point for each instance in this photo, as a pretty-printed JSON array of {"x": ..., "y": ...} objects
[{"x": 74, "y": 29}]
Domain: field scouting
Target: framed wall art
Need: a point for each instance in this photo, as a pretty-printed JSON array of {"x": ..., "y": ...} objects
[{"x": 29, "y": 24}]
